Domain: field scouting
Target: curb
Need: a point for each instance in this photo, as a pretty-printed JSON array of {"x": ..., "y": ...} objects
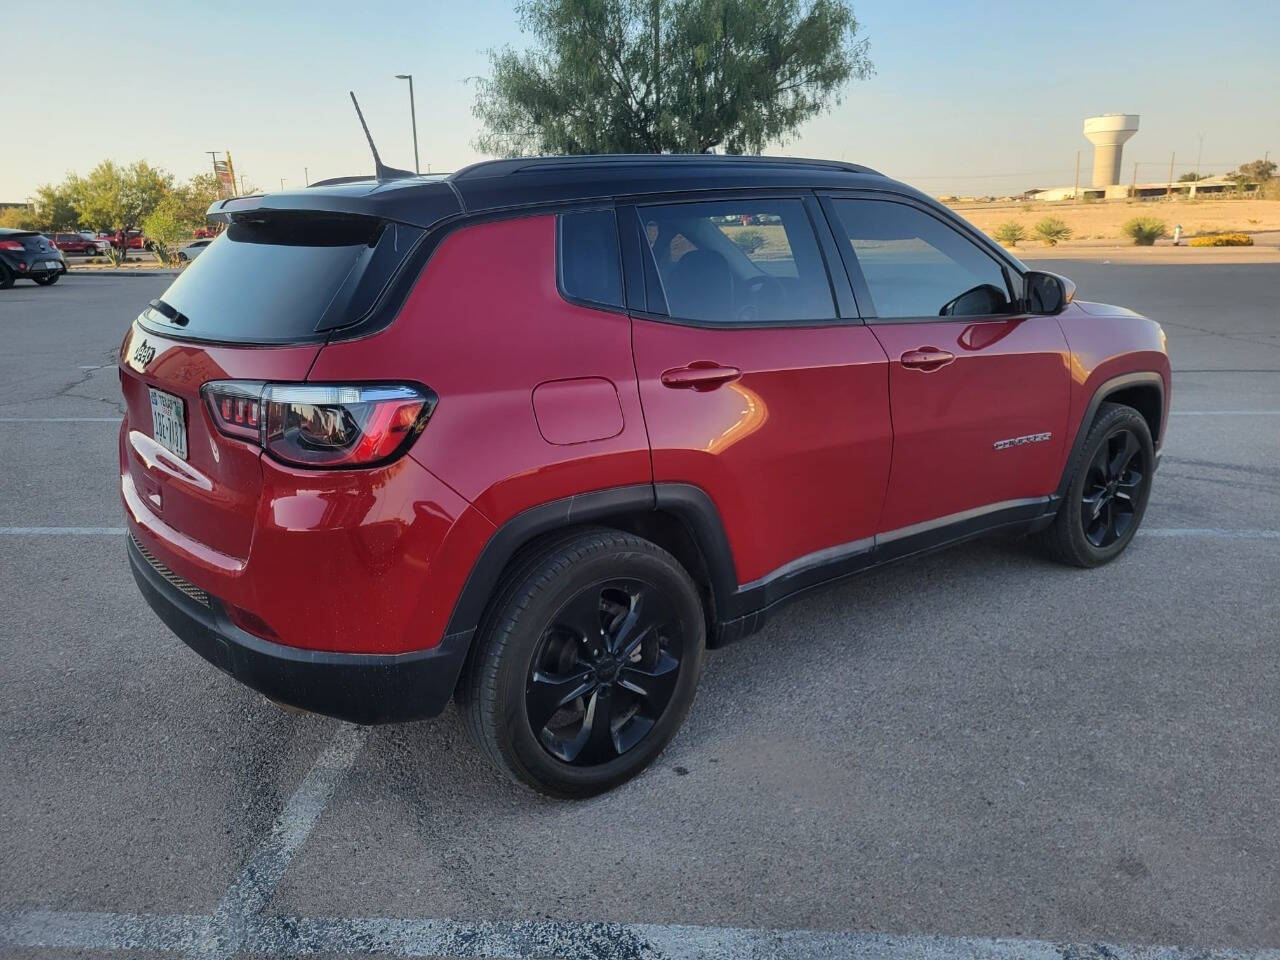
[{"x": 113, "y": 274}]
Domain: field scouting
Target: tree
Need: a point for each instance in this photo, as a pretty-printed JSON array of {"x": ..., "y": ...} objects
[
  {"x": 55, "y": 208},
  {"x": 177, "y": 216},
  {"x": 1255, "y": 171},
  {"x": 681, "y": 76},
  {"x": 192, "y": 199},
  {"x": 1192, "y": 177},
  {"x": 19, "y": 218},
  {"x": 114, "y": 197}
]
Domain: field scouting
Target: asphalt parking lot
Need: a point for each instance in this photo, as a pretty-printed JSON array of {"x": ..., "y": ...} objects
[{"x": 977, "y": 754}]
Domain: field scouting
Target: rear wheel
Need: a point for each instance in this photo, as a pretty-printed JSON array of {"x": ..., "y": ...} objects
[
  {"x": 6, "y": 277},
  {"x": 586, "y": 664},
  {"x": 1108, "y": 492},
  {"x": 48, "y": 280}
]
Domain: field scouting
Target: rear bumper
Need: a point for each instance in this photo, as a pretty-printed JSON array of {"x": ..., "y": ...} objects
[
  {"x": 361, "y": 688},
  {"x": 27, "y": 264}
]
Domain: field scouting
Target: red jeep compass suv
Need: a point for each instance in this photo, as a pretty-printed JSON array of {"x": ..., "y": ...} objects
[{"x": 537, "y": 433}]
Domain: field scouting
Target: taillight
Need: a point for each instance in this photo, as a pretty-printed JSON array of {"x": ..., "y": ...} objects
[
  {"x": 11, "y": 245},
  {"x": 321, "y": 425}
]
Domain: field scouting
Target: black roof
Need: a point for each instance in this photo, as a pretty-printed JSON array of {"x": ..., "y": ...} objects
[{"x": 528, "y": 181}]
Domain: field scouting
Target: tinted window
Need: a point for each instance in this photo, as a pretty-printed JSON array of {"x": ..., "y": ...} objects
[
  {"x": 282, "y": 277},
  {"x": 590, "y": 268},
  {"x": 754, "y": 261},
  {"x": 917, "y": 266}
]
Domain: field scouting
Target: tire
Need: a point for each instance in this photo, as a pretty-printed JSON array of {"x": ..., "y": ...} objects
[
  {"x": 6, "y": 277},
  {"x": 48, "y": 281},
  {"x": 182, "y": 257},
  {"x": 1108, "y": 492},
  {"x": 92, "y": 252},
  {"x": 579, "y": 627}
]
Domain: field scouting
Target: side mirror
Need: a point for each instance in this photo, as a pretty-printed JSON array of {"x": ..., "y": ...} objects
[{"x": 1047, "y": 293}]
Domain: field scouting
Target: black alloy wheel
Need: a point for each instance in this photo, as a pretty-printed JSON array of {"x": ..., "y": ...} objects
[
  {"x": 1107, "y": 489},
  {"x": 586, "y": 662},
  {"x": 604, "y": 671},
  {"x": 1112, "y": 488}
]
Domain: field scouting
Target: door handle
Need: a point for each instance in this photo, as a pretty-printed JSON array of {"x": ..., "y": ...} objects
[
  {"x": 700, "y": 375},
  {"x": 927, "y": 359}
]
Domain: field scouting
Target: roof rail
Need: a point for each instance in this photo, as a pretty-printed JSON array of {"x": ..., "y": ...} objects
[{"x": 513, "y": 165}]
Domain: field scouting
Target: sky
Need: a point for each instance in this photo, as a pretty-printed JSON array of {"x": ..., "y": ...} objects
[{"x": 968, "y": 97}]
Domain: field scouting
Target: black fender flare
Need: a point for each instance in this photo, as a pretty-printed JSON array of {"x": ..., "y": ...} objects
[
  {"x": 689, "y": 504},
  {"x": 1106, "y": 389}
]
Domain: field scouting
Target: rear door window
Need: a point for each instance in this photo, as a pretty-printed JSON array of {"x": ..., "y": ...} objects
[
  {"x": 284, "y": 277},
  {"x": 736, "y": 261}
]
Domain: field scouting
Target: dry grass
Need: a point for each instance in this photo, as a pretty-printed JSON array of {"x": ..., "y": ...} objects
[{"x": 1102, "y": 221}]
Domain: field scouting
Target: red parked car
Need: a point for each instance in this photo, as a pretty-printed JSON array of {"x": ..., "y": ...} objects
[
  {"x": 77, "y": 243},
  {"x": 134, "y": 241},
  {"x": 538, "y": 433}
]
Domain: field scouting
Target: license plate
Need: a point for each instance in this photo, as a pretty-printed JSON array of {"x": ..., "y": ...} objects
[
  {"x": 168, "y": 421},
  {"x": 54, "y": 265}
]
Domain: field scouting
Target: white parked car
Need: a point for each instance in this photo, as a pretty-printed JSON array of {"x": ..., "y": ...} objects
[{"x": 192, "y": 249}]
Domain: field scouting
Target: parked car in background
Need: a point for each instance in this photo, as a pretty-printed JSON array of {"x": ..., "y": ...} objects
[
  {"x": 135, "y": 240},
  {"x": 30, "y": 255},
  {"x": 192, "y": 249},
  {"x": 78, "y": 243},
  {"x": 537, "y": 435}
]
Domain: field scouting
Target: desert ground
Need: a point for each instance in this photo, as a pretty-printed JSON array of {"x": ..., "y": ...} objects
[{"x": 1102, "y": 220}]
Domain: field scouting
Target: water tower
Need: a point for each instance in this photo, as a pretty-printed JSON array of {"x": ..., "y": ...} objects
[{"x": 1108, "y": 134}]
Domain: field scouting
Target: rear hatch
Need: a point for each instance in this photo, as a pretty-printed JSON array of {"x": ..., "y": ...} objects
[
  {"x": 32, "y": 248},
  {"x": 258, "y": 305}
]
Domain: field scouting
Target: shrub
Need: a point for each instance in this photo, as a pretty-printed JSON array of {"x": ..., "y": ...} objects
[
  {"x": 1222, "y": 240},
  {"x": 1145, "y": 231},
  {"x": 1010, "y": 232},
  {"x": 749, "y": 241},
  {"x": 1051, "y": 230}
]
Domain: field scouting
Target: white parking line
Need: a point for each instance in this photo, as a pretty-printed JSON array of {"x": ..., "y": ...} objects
[
  {"x": 1211, "y": 533},
  {"x": 60, "y": 419},
  {"x": 1224, "y": 413},
  {"x": 61, "y": 531},
  {"x": 225, "y": 932},
  {"x": 517, "y": 940}
]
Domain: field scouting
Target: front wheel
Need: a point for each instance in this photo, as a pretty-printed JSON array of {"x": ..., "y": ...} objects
[
  {"x": 586, "y": 664},
  {"x": 1108, "y": 492}
]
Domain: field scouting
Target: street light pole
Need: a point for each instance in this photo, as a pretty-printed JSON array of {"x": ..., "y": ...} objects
[{"x": 413, "y": 116}]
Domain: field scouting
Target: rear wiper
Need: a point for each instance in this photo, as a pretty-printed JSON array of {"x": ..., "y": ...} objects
[{"x": 169, "y": 313}]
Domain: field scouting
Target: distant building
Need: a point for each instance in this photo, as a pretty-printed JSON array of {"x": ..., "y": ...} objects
[{"x": 1121, "y": 191}]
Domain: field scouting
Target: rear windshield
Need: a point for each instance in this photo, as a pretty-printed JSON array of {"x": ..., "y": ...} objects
[{"x": 283, "y": 278}]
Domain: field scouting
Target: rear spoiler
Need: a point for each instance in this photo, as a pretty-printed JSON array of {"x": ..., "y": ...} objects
[{"x": 416, "y": 202}]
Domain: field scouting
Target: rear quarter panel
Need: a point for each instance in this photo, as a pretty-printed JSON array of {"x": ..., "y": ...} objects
[{"x": 485, "y": 326}]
